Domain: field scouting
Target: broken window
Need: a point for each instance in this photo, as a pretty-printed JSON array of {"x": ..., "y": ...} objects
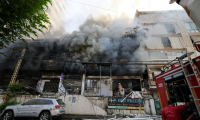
[
  {"x": 73, "y": 85},
  {"x": 90, "y": 84},
  {"x": 166, "y": 42},
  {"x": 191, "y": 27},
  {"x": 51, "y": 86},
  {"x": 170, "y": 28}
]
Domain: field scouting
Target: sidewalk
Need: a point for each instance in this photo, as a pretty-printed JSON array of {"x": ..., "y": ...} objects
[
  {"x": 79, "y": 117},
  {"x": 70, "y": 117}
]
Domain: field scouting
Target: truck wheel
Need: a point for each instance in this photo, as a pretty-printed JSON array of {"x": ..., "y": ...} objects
[
  {"x": 8, "y": 115},
  {"x": 44, "y": 116}
]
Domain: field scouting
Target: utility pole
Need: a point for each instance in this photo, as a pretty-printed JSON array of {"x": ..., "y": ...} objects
[{"x": 14, "y": 76}]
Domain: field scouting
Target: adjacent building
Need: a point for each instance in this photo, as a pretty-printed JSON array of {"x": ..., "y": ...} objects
[{"x": 57, "y": 14}]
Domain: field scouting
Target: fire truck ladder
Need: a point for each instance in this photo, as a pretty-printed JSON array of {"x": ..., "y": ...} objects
[
  {"x": 14, "y": 76},
  {"x": 188, "y": 77}
]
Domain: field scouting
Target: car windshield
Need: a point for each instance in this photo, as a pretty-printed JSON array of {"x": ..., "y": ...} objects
[{"x": 60, "y": 102}]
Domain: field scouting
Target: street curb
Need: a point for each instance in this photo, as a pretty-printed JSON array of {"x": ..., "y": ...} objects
[{"x": 68, "y": 116}]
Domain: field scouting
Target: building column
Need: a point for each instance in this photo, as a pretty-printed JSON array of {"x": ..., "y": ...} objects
[{"x": 83, "y": 84}]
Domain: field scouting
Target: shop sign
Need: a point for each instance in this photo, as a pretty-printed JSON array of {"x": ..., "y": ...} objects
[{"x": 129, "y": 102}]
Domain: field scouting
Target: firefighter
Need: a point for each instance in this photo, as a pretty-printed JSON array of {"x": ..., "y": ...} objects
[{"x": 172, "y": 112}]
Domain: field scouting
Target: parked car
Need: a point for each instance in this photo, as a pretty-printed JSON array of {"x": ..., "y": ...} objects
[{"x": 42, "y": 108}]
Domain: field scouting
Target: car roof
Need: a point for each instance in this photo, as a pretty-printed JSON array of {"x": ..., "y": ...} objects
[{"x": 46, "y": 98}]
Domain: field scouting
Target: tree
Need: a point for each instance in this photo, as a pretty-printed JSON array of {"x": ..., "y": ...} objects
[{"x": 20, "y": 19}]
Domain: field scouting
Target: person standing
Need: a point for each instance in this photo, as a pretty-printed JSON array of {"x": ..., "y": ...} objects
[
  {"x": 172, "y": 112},
  {"x": 119, "y": 88},
  {"x": 77, "y": 91}
]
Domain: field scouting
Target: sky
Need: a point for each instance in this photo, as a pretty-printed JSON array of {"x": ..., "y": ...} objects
[{"x": 79, "y": 10}]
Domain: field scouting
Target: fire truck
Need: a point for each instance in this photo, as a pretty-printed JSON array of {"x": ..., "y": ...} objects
[{"x": 179, "y": 81}]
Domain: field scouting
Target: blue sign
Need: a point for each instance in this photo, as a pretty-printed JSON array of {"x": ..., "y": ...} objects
[{"x": 116, "y": 101}]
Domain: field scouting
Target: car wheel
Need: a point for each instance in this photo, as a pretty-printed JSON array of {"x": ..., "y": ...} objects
[
  {"x": 44, "y": 116},
  {"x": 8, "y": 115}
]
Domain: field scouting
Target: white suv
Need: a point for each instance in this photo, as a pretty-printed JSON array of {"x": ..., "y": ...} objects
[{"x": 43, "y": 108}]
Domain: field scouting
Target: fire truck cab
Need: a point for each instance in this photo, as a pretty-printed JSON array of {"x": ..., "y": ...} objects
[{"x": 172, "y": 84}]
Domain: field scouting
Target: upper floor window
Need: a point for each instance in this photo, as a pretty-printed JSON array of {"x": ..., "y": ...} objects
[
  {"x": 170, "y": 28},
  {"x": 64, "y": 6},
  {"x": 166, "y": 42},
  {"x": 191, "y": 27}
]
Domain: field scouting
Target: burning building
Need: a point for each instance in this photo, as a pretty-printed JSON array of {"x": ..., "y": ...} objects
[{"x": 93, "y": 60}]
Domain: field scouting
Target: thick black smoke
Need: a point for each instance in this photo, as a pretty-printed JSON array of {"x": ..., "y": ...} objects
[{"x": 98, "y": 40}]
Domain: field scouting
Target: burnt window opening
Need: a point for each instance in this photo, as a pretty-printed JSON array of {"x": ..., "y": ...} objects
[
  {"x": 91, "y": 85},
  {"x": 170, "y": 28},
  {"x": 166, "y": 42},
  {"x": 51, "y": 86},
  {"x": 73, "y": 85}
]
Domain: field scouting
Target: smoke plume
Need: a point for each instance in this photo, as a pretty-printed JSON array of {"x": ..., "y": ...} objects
[{"x": 102, "y": 39}]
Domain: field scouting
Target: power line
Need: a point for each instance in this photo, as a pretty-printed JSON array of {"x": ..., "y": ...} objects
[
  {"x": 94, "y": 6},
  {"x": 162, "y": 14}
]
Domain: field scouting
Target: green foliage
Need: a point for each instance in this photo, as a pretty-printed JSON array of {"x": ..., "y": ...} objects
[
  {"x": 13, "y": 93},
  {"x": 13, "y": 90},
  {"x": 7, "y": 103},
  {"x": 20, "y": 19},
  {"x": 15, "y": 87}
]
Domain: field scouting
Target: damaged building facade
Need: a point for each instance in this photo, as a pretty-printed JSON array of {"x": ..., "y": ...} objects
[
  {"x": 92, "y": 63},
  {"x": 88, "y": 84}
]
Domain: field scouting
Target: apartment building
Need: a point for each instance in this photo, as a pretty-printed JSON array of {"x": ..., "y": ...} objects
[{"x": 56, "y": 13}]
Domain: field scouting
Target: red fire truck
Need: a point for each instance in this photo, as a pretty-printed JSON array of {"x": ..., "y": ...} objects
[{"x": 181, "y": 83}]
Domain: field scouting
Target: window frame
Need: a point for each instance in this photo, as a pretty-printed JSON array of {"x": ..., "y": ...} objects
[
  {"x": 191, "y": 25},
  {"x": 170, "y": 30},
  {"x": 166, "y": 43}
]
